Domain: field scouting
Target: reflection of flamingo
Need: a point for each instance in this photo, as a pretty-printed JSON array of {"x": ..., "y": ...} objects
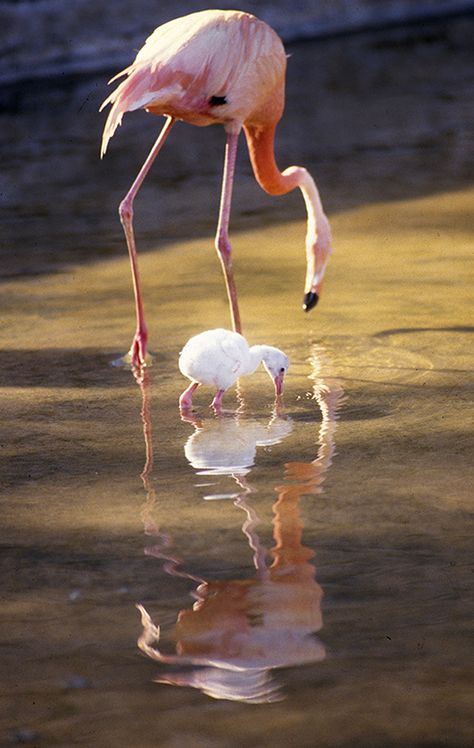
[
  {"x": 217, "y": 67},
  {"x": 161, "y": 547},
  {"x": 329, "y": 394},
  {"x": 239, "y": 630}
]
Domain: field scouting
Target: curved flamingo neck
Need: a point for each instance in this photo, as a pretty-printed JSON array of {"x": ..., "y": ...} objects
[
  {"x": 255, "y": 356},
  {"x": 261, "y": 144},
  {"x": 261, "y": 141}
]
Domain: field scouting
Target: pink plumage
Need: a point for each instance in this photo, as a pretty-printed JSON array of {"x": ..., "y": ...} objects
[
  {"x": 190, "y": 62},
  {"x": 210, "y": 67}
]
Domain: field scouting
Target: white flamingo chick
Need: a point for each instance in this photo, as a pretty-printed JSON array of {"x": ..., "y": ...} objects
[{"x": 219, "y": 357}]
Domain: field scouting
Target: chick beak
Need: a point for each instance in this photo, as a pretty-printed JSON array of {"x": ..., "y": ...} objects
[{"x": 278, "y": 381}]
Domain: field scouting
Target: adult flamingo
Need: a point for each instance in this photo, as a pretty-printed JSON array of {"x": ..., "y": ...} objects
[{"x": 227, "y": 67}]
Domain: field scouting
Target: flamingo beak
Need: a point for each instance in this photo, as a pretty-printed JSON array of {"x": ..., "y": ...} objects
[
  {"x": 310, "y": 300},
  {"x": 278, "y": 381},
  {"x": 311, "y": 297}
]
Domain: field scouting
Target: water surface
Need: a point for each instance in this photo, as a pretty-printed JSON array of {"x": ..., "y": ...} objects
[{"x": 310, "y": 566}]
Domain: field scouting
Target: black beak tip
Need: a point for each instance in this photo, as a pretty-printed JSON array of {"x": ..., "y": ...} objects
[{"x": 310, "y": 300}]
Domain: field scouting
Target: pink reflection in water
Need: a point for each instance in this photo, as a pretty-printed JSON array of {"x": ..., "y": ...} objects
[{"x": 239, "y": 631}]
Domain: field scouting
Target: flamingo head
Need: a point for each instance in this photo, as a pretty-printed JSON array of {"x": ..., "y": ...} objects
[
  {"x": 318, "y": 254},
  {"x": 276, "y": 363}
]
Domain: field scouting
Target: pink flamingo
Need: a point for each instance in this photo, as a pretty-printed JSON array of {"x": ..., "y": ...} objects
[{"x": 210, "y": 67}]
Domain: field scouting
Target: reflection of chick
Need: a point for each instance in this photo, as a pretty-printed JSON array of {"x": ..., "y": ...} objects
[{"x": 229, "y": 445}]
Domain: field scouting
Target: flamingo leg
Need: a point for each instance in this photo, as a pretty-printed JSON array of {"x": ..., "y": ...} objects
[
  {"x": 138, "y": 349},
  {"x": 217, "y": 402},
  {"x": 248, "y": 528},
  {"x": 222, "y": 241},
  {"x": 186, "y": 397}
]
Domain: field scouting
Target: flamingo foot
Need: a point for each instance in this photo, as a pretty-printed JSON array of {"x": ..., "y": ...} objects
[
  {"x": 137, "y": 357},
  {"x": 186, "y": 398},
  {"x": 217, "y": 402},
  {"x": 133, "y": 360},
  {"x": 137, "y": 350},
  {"x": 185, "y": 403}
]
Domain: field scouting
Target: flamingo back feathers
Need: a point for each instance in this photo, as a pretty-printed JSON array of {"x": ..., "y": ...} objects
[{"x": 229, "y": 55}]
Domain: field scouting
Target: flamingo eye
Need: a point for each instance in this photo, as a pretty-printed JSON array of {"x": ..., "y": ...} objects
[{"x": 217, "y": 100}]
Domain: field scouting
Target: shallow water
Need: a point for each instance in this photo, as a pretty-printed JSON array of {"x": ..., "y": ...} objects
[{"x": 310, "y": 566}]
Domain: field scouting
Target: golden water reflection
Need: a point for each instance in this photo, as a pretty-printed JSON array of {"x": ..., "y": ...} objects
[{"x": 238, "y": 631}]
